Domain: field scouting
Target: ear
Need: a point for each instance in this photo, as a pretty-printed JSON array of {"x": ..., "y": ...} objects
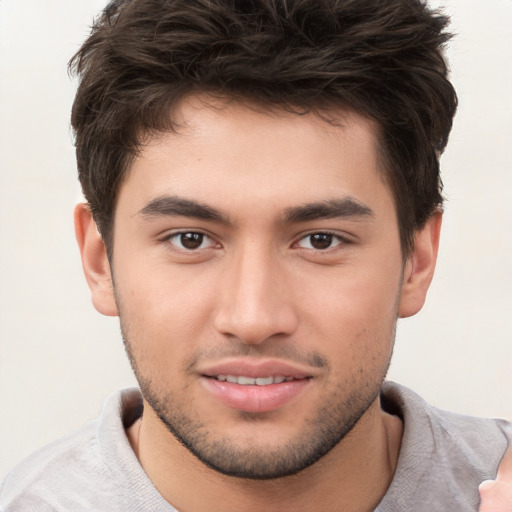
[
  {"x": 419, "y": 267},
  {"x": 94, "y": 261}
]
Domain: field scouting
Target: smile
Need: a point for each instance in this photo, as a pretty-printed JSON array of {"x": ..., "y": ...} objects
[
  {"x": 253, "y": 381},
  {"x": 255, "y": 394}
]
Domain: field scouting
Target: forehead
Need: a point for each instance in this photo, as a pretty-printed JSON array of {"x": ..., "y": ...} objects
[{"x": 247, "y": 157}]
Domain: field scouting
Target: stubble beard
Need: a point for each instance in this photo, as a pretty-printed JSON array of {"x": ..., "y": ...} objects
[
  {"x": 324, "y": 429},
  {"x": 322, "y": 433}
]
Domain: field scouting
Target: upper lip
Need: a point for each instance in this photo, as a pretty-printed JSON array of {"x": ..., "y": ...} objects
[{"x": 256, "y": 368}]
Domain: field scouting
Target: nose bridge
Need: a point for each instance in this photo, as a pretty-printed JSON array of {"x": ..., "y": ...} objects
[{"x": 254, "y": 305}]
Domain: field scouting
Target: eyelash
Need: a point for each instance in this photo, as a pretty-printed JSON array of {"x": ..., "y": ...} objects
[
  {"x": 331, "y": 237},
  {"x": 179, "y": 234}
]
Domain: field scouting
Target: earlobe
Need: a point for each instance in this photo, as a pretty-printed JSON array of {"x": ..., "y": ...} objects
[
  {"x": 94, "y": 261},
  {"x": 420, "y": 266}
]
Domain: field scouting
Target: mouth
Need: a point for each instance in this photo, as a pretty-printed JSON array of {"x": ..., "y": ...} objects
[
  {"x": 252, "y": 381},
  {"x": 255, "y": 387}
]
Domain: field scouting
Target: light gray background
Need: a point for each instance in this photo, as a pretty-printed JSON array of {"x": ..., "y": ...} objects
[{"x": 59, "y": 358}]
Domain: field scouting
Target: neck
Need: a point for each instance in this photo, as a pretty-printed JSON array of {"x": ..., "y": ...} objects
[{"x": 352, "y": 477}]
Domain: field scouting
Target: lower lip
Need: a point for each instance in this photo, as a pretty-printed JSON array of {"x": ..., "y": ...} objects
[{"x": 255, "y": 398}]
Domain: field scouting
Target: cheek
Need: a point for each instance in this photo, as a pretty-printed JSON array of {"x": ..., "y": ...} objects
[
  {"x": 355, "y": 297},
  {"x": 355, "y": 312},
  {"x": 163, "y": 314}
]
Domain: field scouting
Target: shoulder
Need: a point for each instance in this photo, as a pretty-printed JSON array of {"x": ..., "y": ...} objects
[
  {"x": 444, "y": 456},
  {"x": 73, "y": 467},
  {"x": 481, "y": 439},
  {"x": 41, "y": 475}
]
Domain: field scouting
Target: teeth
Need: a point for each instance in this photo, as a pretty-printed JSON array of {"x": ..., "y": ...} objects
[
  {"x": 264, "y": 381},
  {"x": 251, "y": 381},
  {"x": 246, "y": 381}
]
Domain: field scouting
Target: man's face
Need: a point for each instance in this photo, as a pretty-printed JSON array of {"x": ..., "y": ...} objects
[{"x": 258, "y": 272}]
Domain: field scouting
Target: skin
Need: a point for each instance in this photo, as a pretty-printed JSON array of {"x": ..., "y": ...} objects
[
  {"x": 496, "y": 495},
  {"x": 259, "y": 290}
]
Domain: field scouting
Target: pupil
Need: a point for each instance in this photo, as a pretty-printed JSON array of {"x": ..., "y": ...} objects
[
  {"x": 321, "y": 241},
  {"x": 191, "y": 240}
]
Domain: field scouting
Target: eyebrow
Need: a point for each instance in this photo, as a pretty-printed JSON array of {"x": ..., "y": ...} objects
[
  {"x": 347, "y": 207},
  {"x": 172, "y": 206}
]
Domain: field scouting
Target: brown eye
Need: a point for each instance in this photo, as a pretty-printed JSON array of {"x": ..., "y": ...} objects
[
  {"x": 190, "y": 241},
  {"x": 320, "y": 241}
]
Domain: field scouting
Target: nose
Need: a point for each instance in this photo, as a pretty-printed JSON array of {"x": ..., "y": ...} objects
[{"x": 255, "y": 302}]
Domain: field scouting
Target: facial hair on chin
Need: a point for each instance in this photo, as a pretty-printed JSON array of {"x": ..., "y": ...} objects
[{"x": 323, "y": 430}]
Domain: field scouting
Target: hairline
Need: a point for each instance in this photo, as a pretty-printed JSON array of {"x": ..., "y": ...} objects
[{"x": 328, "y": 111}]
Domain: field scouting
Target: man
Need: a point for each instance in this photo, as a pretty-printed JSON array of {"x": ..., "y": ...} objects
[{"x": 263, "y": 202}]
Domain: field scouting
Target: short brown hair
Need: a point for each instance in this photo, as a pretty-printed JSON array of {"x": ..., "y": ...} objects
[{"x": 382, "y": 58}]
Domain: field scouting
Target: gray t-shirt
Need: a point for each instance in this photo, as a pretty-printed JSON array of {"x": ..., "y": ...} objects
[{"x": 443, "y": 459}]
